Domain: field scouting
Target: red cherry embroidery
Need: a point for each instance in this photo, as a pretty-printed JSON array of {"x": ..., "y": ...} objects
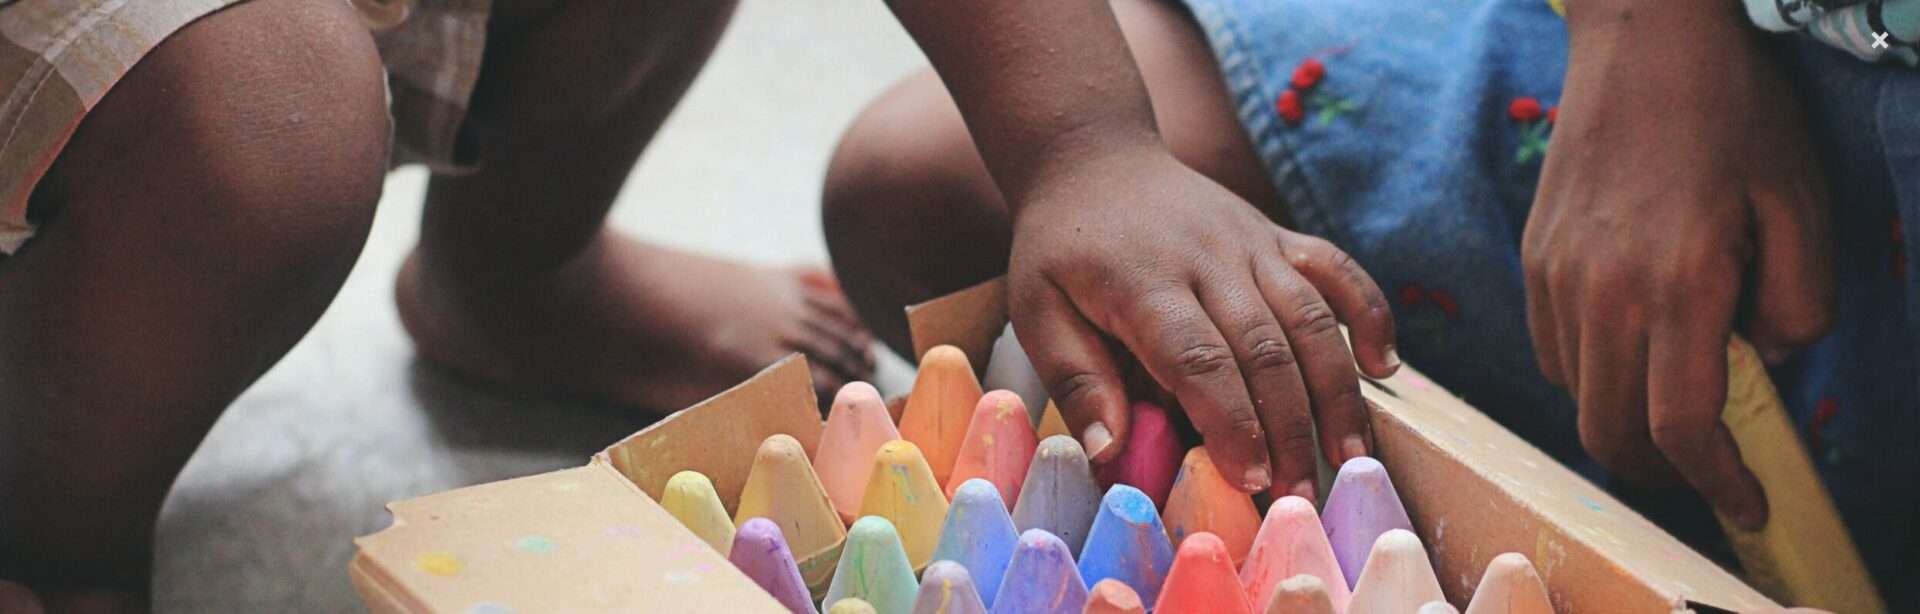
[
  {"x": 1412, "y": 294},
  {"x": 1823, "y": 412},
  {"x": 1289, "y": 107},
  {"x": 1445, "y": 302},
  {"x": 1308, "y": 74},
  {"x": 1525, "y": 109}
]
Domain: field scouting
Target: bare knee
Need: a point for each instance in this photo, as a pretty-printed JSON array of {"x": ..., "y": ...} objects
[{"x": 909, "y": 210}]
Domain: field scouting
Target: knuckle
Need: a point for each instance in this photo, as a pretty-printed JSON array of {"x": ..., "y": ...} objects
[
  {"x": 1267, "y": 349},
  {"x": 1314, "y": 319},
  {"x": 1294, "y": 441},
  {"x": 1203, "y": 360},
  {"x": 1076, "y": 388}
]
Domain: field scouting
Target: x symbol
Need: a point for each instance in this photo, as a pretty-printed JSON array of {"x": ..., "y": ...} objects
[{"x": 1879, "y": 40}]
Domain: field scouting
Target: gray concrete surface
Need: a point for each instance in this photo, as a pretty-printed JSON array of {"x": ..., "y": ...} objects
[{"x": 264, "y": 516}]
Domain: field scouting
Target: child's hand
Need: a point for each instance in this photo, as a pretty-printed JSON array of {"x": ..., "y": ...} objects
[
  {"x": 1679, "y": 171},
  {"x": 1233, "y": 314}
]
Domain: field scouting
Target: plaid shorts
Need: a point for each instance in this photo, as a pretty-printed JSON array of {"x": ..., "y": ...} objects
[{"x": 58, "y": 58}]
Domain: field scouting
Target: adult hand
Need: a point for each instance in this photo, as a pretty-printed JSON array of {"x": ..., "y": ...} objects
[
  {"x": 1679, "y": 176},
  {"x": 1234, "y": 315}
]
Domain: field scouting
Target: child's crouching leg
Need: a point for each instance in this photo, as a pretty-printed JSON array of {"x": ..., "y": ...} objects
[
  {"x": 910, "y": 212},
  {"x": 200, "y": 220}
]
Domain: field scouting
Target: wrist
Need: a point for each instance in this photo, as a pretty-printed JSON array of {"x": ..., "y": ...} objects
[{"x": 1073, "y": 160}]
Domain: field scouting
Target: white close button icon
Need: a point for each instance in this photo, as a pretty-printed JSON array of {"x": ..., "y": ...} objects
[{"x": 1879, "y": 40}]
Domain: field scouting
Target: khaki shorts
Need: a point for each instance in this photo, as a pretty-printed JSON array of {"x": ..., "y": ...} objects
[{"x": 58, "y": 58}]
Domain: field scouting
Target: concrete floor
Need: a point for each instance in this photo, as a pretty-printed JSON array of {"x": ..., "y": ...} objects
[{"x": 264, "y": 516}]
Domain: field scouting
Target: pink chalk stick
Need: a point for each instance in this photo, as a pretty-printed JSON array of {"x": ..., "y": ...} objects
[{"x": 1151, "y": 458}]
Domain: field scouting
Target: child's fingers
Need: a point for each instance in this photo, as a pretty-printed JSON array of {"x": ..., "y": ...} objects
[
  {"x": 1542, "y": 327},
  {"x": 1326, "y": 366},
  {"x": 1353, "y": 295},
  {"x": 1072, "y": 358},
  {"x": 1793, "y": 276},
  {"x": 1272, "y": 375},
  {"x": 1172, "y": 335},
  {"x": 1613, "y": 416},
  {"x": 1687, "y": 390}
]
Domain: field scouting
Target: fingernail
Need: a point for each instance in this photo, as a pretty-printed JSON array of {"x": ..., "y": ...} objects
[
  {"x": 1353, "y": 446},
  {"x": 1776, "y": 356},
  {"x": 1393, "y": 357},
  {"x": 1304, "y": 489},
  {"x": 1258, "y": 478},
  {"x": 1096, "y": 438}
]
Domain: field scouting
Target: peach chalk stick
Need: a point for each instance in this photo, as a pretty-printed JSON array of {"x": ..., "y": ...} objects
[
  {"x": 1510, "y": 586},
  {"x": 940, "y": 406},
  {"x": 856, "y": 427},
  {"x": 1113, "y": 597},
  {"x": 1292, "y": 543},
  {"x": 1301, "y": 594},
  {"x": 1202, "y": 500},
  {"x": 1398, "y": 577},
  {"x": 782, "y": 487},
  {"x": 1202, "y": 580},
  {"x": 902, "y": 490},
  {"x": 998, "y": 446}
]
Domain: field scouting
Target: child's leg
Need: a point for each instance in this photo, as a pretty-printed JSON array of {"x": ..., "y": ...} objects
[
  {"x": 517, "y": 278},
  {"x": 199, "y": 221},
  {"x": 911, "y": 214}
]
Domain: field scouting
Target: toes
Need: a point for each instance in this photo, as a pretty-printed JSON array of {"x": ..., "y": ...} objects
[{"x": 832, "y": 348}]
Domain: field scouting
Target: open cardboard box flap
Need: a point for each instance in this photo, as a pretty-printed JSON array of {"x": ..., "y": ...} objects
[{"x": 592, "y": 538}]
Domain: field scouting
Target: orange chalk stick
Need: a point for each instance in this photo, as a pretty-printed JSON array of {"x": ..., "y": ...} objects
[
  {"x": 998, "y": 446},
  {"x": 1202, "y": 580},
  {"x": 940, "y": 407},
  {"x": 1203, "y": 501}
]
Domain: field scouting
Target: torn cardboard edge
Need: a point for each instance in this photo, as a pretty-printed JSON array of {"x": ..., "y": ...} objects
[{"x": 599, "y": 541}]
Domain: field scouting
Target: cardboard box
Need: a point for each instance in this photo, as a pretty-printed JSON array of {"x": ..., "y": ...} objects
[{"x": 592, "y": 538}]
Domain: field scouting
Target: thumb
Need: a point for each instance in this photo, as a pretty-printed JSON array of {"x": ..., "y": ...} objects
[
  {"x": 1073, "y": 359},
  {"x": 1792, "y": 270}
]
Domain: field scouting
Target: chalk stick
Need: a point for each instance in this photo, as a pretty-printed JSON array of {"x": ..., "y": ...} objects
[
  {"x": 948, "y": 588},
  {"x": 1361, "y": 506},
  {"x": 851, "y": 605},
  {"x": 1041, "y": 578},
  {"x": 902, "y": 490},
  {"x": 1510, "y": 586},
  {"x": 690, "y": 498},
  {"x": 1008, "y": 368},
  {"x": 782, "y": 487},
  {"x": 856, "y": 427},
  {"x": 1290, "y": 543},
  {"x": 940, "y": 406},
  {"x": 1113, "y": 597},
  {"x": 998, "y": 446},
  {"x": 1438, "y": 607},
  {"x": 1203, "y": 500},
  {"x": 1202, "y": 580},
  {"x": 1302, "y": 594},
  {"x": 1804, "y": 555},
  {"x": 1398, "y": 578},
  {"x": 760, "y": 551},
  {"x": 1051, "y": 423},
  {"x": 1152, "y": 456},
  {"x": 1059, "y": 494},
  {"x": 874, "y": 568},
  {"x": 978, "y": 534},
  {"x": 1127, "y": 543}
]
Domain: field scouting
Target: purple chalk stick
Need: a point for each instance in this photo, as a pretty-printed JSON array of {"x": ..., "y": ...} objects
[
  {"x": 1361, "y": 506},
  {"x": 1041, "y": 579},
  {"x": 761, "y": 552}
]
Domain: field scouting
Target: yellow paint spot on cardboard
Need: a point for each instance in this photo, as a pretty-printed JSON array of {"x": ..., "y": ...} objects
[{"x": 439, "y": 564}]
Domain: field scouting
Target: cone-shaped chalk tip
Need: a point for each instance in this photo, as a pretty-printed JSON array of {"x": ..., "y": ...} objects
[
  {"x": 998, "y": 446},
  {"x": 940, "y": 406},
  {"x": 1202, "y": 580},
  {"x": 1292, "y": 542},
  {"x": 1041, "y": 578},
  {"x": 1397, "y": 578},
  {"x": 1301, "y": 594},
  {"x": 760, "y": 552},
  {"x": 1113, "y": 597},
  {"x": 782, "y": 487},
  {"x": 690, "y": 498},
  {"x": 856, "y": 427},
  {"x": 1127, "y": 543},
  {"x": 903, "y": 490},
  {"x": 1152, "y": 456},
  {"x": 874, "y": 568},
  {"x": 1437, "y": 607},
  {"x": 979, "y": 535},
  {"x": 1510, "y": 586},
  {"x": 1203, "y": 500},
  {"x": 947, "y": 588},
  {"x": 851, "y": 605},
  {"x": 1360, "y": 507},
  {"x": 1059, "y": 494}
]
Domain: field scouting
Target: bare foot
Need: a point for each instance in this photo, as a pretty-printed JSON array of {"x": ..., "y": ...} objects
[{"x": 633, "y": 323}]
